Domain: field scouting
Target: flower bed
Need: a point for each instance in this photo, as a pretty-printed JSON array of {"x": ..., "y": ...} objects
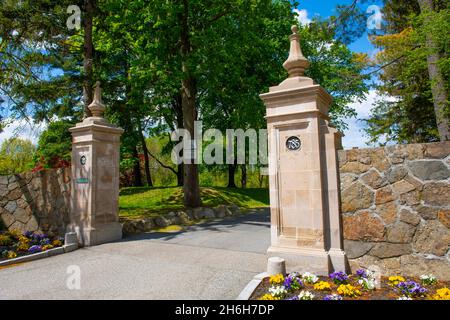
[
  {"x": 361, "y": 286},
  {"x": 14, "y": 244}
]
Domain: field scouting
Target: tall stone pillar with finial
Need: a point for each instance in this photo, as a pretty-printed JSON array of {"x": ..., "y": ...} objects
[
  {"x": 303, "y": 167},
  {"x": 95, "y": 177}
]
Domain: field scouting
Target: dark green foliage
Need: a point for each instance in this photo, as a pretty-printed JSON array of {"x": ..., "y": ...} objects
[
  {"x": 55, "y": 144},
  {"x": 40, "y": 67}
]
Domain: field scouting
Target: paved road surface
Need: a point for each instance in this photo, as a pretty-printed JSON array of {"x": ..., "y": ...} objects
[{"x": 214, "y": 260}]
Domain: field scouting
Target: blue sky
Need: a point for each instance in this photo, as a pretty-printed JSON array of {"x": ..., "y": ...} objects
[
  {"x": 326, "y": 8},
  {"x": 354, "y": 135}
]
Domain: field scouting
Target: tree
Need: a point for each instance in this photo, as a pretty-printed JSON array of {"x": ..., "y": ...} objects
[
  {"x": 409, "y": 114},
  {"x": 163, "y": 65},
  {"x": 39, "y": 67},
  {"x": 412, "y": 66},
  {"x": 176, "y": 53},
  {"x": 438, "y": 87},
  {"x": 55, "y": 145},
  {"x": 16, "y": 156}
]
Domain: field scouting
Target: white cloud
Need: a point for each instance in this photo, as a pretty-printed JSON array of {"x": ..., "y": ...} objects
[
  {"x": 302, "y": 16},
  {"x": 22, "y": 129},
  {"x": 355, "y": 135}
]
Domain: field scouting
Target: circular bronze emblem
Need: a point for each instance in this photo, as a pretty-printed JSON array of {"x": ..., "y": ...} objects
[
  {"x": 293, "y": 143},
  {"x": 83, "y": 160}
]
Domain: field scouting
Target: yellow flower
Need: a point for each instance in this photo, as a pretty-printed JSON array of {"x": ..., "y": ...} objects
[
  {"x": 395, "y": 280},
  {"x": 16, "y": 234},
  {"x": 5, "y": 240},
  {"x": 268, "y": 297},
  {"x": 348, "y": 290},
  {"x": 276, "y": 279},
  {"x": 11, "y": 255},
  {"x": 47, "y": 247},
  {"x": 24, "y": 239},
  {"x": 57, "y": 243},
  {"x": 322, "y": 285},
  {"x": 442, "y": 294},
  {"x": 23, "y": 247}
]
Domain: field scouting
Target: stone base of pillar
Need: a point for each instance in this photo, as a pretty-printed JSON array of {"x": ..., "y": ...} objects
[
  {"x": 316, "y": 261},
  {"x": 338, "y": 260},
  {"x": 302, "y": 259},
  {"x": 103, "y": 233}
]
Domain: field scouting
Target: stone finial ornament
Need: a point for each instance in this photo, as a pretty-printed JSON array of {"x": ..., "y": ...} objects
[
  {"x": 97, "y": 107},
  {"x": 296, "y": 63}
]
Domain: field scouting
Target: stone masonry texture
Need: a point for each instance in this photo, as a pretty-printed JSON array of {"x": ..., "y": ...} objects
[
  {"x": 36, "y": 201},
  {"x": 395, "y": 205}
]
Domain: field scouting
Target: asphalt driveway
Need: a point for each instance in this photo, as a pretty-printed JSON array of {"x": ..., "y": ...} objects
[{"x": 214, "y": 260}]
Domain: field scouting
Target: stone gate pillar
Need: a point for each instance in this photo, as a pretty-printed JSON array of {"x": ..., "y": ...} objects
[
  {"x": 303, "y": 167},
  {"x": 95, "y": 178}
]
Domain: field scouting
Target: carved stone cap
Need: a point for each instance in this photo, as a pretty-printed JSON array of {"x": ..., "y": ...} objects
[
  {"x": 296, "y": 64},
  {"x": 97, "y": 107}
]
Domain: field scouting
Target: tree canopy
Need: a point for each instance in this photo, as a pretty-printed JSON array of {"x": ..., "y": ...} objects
[
  {"x": 16, "y": 156},
  {"x": 162, "y": 65}
]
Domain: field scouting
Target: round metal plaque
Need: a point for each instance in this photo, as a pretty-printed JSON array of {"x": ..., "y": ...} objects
[
  {"x": 83, "y": 160},
  {"x": 293, "y": 143}
]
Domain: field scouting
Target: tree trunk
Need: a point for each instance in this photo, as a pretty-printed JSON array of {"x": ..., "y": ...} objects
[
  {"x": 180, "y": 175},
  {"x": 231, "y": 173},
  {"x": 137, "y": 181},
  {"x": 438, "y": 89},
  {"x": 178, "y": 106},
  {"x": 146, "y": 158},
  {"x": 88, "y": 54},
  {"x": 191, "y": 186},
  {"x": 243, "y": 176},
  {"x": 260, "y": 178}
]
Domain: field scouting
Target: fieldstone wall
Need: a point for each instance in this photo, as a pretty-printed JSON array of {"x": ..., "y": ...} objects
[
  {"x": 183, "y": 217},
  {"x": 396, "y": 208},
  {"x": 36, "y": 200}
]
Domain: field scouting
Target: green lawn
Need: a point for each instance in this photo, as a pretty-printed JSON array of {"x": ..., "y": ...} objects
[{"x": 147, "y": 202}]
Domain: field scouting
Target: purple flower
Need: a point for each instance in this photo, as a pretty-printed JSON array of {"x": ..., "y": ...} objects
[
  {"x": 35, "y": 249},
  {"x": 293, "y": 298},
  {"x": 339, "y": 277},
  {"x": 411, "y": 288},
  {"x": 292, "y": 283},
  {"x": 361, "y": 273},
  {"x": 45, "y": 241},
  {"x": 288, "y": 282},
  {"x": 28, "y": 234},
  {"x": 330, "y": 297}
]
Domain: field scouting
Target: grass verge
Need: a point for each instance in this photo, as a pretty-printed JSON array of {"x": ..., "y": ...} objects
[{"x": 151, "y": 202}]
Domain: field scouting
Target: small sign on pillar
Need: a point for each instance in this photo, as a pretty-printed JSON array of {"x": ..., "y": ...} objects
[
  {"x": 95, "y": 178},
  {"x": 304, "y": 184}
]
